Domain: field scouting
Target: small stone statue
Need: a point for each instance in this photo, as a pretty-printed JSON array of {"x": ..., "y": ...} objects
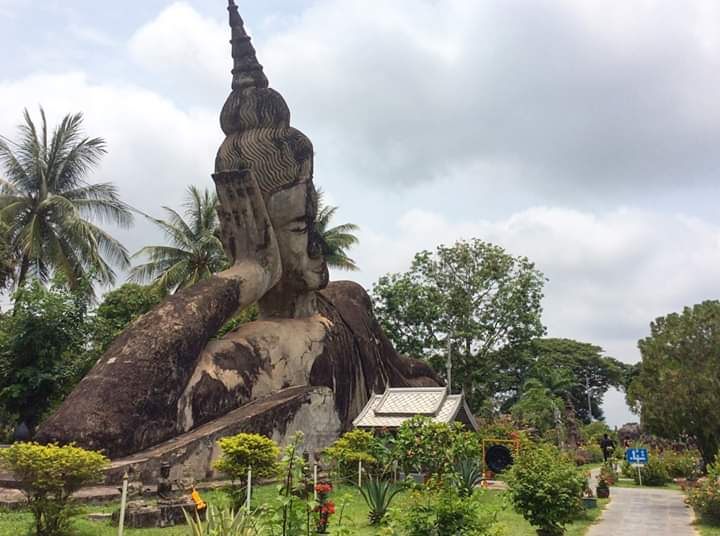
[{"x": 164, "y": 484}]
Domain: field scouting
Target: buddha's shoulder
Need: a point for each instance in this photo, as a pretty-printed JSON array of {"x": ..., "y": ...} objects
[{"x": 346, "y": 293}]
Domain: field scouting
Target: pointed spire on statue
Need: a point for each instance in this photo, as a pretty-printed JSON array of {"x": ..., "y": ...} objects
[{"x": 247, "y": 71}]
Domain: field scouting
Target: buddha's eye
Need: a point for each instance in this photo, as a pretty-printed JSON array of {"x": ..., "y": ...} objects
[{"x": 299, "y": 229}]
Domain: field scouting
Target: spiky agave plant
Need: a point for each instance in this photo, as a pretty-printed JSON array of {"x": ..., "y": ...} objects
[
  {"x": 225, "y": 522},
  {"x": 378, "y": 495},
  {"x": 469, "y": 475}
]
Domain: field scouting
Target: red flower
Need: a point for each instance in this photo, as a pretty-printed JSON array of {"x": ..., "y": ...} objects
[{"x": 323, "y": 487}]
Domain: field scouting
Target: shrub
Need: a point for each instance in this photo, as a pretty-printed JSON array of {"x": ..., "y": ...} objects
[
  {"x": 49, "y": 474},
  {"x": 350, "y": 449},
  {"x": 654, "y": 473},
  {"x": 627, "y": 470},
  {"x": 425, "y": 446},
  {"x": 546, "y": 488},
  {"x": 588, "y": 454},
  {"x": 241, "y": 452},
  {"x": 682, "y": 464},
  {"x": 442, "y": 512},
  {"x": 705, "y": 498}
]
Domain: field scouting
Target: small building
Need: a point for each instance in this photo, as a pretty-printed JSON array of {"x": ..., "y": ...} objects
[{"x": 398, "y": 404}]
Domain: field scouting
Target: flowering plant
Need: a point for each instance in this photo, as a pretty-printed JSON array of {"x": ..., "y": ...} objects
[{"x": 324, "y": 507}]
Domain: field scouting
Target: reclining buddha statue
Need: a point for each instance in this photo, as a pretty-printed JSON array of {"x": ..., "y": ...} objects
[{"x": 166, "y": 374}]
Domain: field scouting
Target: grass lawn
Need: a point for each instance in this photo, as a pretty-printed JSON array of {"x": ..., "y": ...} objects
[
  {"x": 706, "y": 528},
  {"x": 354, "y": 516},
  {"x": 627, "y": 483}
]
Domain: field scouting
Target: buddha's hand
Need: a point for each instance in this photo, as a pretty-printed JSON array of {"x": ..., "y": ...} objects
[{"x": 246, "y": 231}]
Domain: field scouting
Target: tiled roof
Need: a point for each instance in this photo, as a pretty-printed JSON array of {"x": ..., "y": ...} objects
[
  {"x": 396, "y": 405},
  {"x": 421, "y": 401}
]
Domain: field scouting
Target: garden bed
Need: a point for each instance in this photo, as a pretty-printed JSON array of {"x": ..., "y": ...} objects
[{"x": 355, "y": 516}]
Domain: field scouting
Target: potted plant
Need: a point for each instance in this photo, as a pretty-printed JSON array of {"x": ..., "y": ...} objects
[
  {"x": 603, "y": 489},
  {"x": 589, "y": 499}
]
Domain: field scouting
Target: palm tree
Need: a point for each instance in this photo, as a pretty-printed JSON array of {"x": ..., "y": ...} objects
[
  {"x": 196, "y": 251},
  {"x": 46, "y": 206},
  {"x": 335, "y": 240}
]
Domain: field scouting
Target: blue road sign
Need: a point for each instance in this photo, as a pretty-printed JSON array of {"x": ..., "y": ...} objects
[{"x": 637, "y": 456}]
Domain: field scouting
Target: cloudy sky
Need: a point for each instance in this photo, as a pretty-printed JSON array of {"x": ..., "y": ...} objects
[{"x": 582, "y": 135}]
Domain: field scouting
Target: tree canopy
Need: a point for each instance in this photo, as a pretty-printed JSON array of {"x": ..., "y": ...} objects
[
  {"x": 41, "y": 341},
  {"x": 676, "y": 388},
  {"x": 585, "y": 366},
  {"x": 47, "y": 209},
  {"x": 195, "y": 251},
  {"x": 487, "y": 301},
  {"x": 337, "y": 240}
]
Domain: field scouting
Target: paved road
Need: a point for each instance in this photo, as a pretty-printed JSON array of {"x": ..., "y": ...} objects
[{"x": 645, "y": 512}]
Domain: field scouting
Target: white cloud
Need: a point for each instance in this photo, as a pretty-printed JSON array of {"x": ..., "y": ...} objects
[
  {"x": 155, "y": 150},
  {"x": 184, "y": 47},
  {"x": 609, "y": 274}
]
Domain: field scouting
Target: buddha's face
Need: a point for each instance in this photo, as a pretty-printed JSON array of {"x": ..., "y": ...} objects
[{"x": 292, "y": 212}]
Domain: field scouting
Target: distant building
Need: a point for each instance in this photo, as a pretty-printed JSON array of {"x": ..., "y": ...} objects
[{"x": 396, "y": 405}]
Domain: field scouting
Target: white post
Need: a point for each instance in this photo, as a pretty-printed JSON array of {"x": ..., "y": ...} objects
[
  {"x": 123, "y": 501},
  {"x": 315, "y": 471},
  {"x": 639, "y": 474},
  {"x": 360, "y": 474},
  {"x": 249, "y": 488}
]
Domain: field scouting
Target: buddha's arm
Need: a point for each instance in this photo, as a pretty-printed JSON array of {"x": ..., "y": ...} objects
[{"x": 128, "y": 400}]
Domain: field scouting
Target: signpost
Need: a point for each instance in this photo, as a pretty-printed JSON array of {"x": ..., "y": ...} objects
[{"x": 638, "y": 458}]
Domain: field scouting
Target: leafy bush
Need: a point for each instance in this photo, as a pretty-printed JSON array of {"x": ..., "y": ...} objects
[
  {"x": 682, "y": 464},
  {"x": 425, "y": 446},
  {"x": 241, "y": 452},
  {"x": 627, "y": 470},
  {"x": 49, "y": 474},
  {"x": 546, "y": 488},
  {"x": 219, "y": 522},
  {"x": 378, "y": 494},
  {"x": 588, "y": 454},
  {"x": 350, "y": 449},
  {"x": 705, "y": 497},
  {"x": 442, "y": 512},
  {"x": 654, "y": 473}
]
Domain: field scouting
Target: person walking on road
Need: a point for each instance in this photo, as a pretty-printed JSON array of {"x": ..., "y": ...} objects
[{"x": 607, "y": 445}]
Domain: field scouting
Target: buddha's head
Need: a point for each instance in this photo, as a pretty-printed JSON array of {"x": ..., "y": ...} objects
[{"x": 256, "y": 121}]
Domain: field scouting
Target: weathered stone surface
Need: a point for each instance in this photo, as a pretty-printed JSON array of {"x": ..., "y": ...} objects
[{"x": 192, "y": 454}]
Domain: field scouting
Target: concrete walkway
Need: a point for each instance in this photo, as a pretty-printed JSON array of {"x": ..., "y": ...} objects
[{"x": 645, "y": 512}]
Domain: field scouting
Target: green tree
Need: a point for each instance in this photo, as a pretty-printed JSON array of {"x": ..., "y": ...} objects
[
  {"x": 42, "y": 342},
  {"x": 47, "y": 206},
  {"x": 196, "y": 251},
  {"x": 487, "y": 301},
  {"x": 676, "y": 388},
  {"x": 335, "y": 240},
  {"x": 544, "y": 397},
  {"x": 118, "y": 308},
  {"x": 583, "y": 363}
]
